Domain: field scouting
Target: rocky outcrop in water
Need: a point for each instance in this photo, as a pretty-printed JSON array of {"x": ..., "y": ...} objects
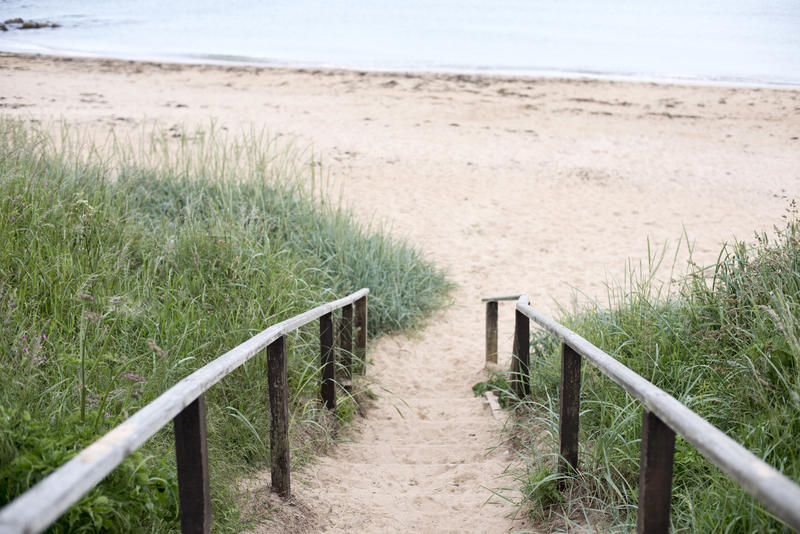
[{"x": 21, "y": 24}]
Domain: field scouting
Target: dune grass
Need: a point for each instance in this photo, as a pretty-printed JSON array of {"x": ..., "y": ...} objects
[
  {"x": 129, "y": 265},
  {"x": 724, "y": 340}
]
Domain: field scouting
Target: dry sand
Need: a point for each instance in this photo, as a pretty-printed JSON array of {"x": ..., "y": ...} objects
[{"x": 513, "y": 185}]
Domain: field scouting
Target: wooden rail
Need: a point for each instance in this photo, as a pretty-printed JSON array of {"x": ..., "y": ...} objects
[
  {"x": 184, "y": 404},
  {"x": 491, "y": 325},
  {"x": 663, "y": 417}
]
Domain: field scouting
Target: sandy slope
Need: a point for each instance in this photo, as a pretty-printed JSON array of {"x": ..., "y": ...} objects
[{"x": 512, "y": 184}]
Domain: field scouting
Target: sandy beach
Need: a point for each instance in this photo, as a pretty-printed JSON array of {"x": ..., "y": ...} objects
[{"x": 543, "y": 186}]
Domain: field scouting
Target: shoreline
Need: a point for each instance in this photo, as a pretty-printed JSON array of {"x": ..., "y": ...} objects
[
  {"x": 507, "y": 75},
  {"x": 636, "y": 160}
]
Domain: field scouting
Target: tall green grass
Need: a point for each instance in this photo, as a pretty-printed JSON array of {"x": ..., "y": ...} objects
[
  {"x": 724, "y": 340},
  {"x": 126, "y": 266}
]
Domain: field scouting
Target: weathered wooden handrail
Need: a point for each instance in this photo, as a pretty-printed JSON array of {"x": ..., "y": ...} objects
[
  {"x": 184, "y": 403},
  {"x": 663, "y": 416},
  {"x": 491, "y": 325}
]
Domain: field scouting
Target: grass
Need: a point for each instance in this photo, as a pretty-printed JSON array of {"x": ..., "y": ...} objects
[
  {"x": 725, "y": 341},
  {"x": 128, "y": 265}
]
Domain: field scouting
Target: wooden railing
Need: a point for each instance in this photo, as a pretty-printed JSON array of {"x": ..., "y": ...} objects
[
  {"x": 663, "y": 417},
  {"x": 184, "y": 404}
]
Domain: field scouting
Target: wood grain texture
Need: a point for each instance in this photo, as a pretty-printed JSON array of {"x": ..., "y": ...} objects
[
  {"x": 191, "y": 454},
  {"x": 569, "y": 409},
  {"x": 345, "y": 349},
  {"x": 361, "y": 341},
  {"x": 521, "y": 357},
  {"x": 279, "y": 446},
  {"x": 491, "y": 332},
  {"x": 655, "y": 475},
  {"x": 328, "y": 382}
]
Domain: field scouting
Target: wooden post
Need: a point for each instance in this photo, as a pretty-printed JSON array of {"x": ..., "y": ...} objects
[
  {"x": 191, "y": 451},
  {"x": 279, "y": 449},
  {"x": 522, "y": 348},
  {"x": 570, "y": 406},
  {"x": 328, "y": 386},
  {"x": 655, "y": 475},
  {"x": 361, "y": 342},
  {"x": 346, "y": 339},
  {"x": 491, "y": 332}
]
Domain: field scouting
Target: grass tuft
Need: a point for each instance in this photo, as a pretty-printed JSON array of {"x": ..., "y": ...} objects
[
  {"x": 724, "y": 341},
  {"x": 127, "y": 266}
]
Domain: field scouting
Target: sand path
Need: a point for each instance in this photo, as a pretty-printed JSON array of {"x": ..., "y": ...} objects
[
  {"x": 420, "y": 462},
  {"x": 513, "y": 185}
]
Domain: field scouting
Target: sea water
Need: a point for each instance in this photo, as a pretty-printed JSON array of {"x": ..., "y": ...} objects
[{"x": 727, "y": 41}]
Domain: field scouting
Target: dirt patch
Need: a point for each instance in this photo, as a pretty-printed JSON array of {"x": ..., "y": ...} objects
[{"x": 268, "y": 511}]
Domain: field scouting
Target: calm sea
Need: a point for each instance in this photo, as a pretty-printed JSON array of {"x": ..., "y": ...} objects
[{"x": 728, "y": 41}]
